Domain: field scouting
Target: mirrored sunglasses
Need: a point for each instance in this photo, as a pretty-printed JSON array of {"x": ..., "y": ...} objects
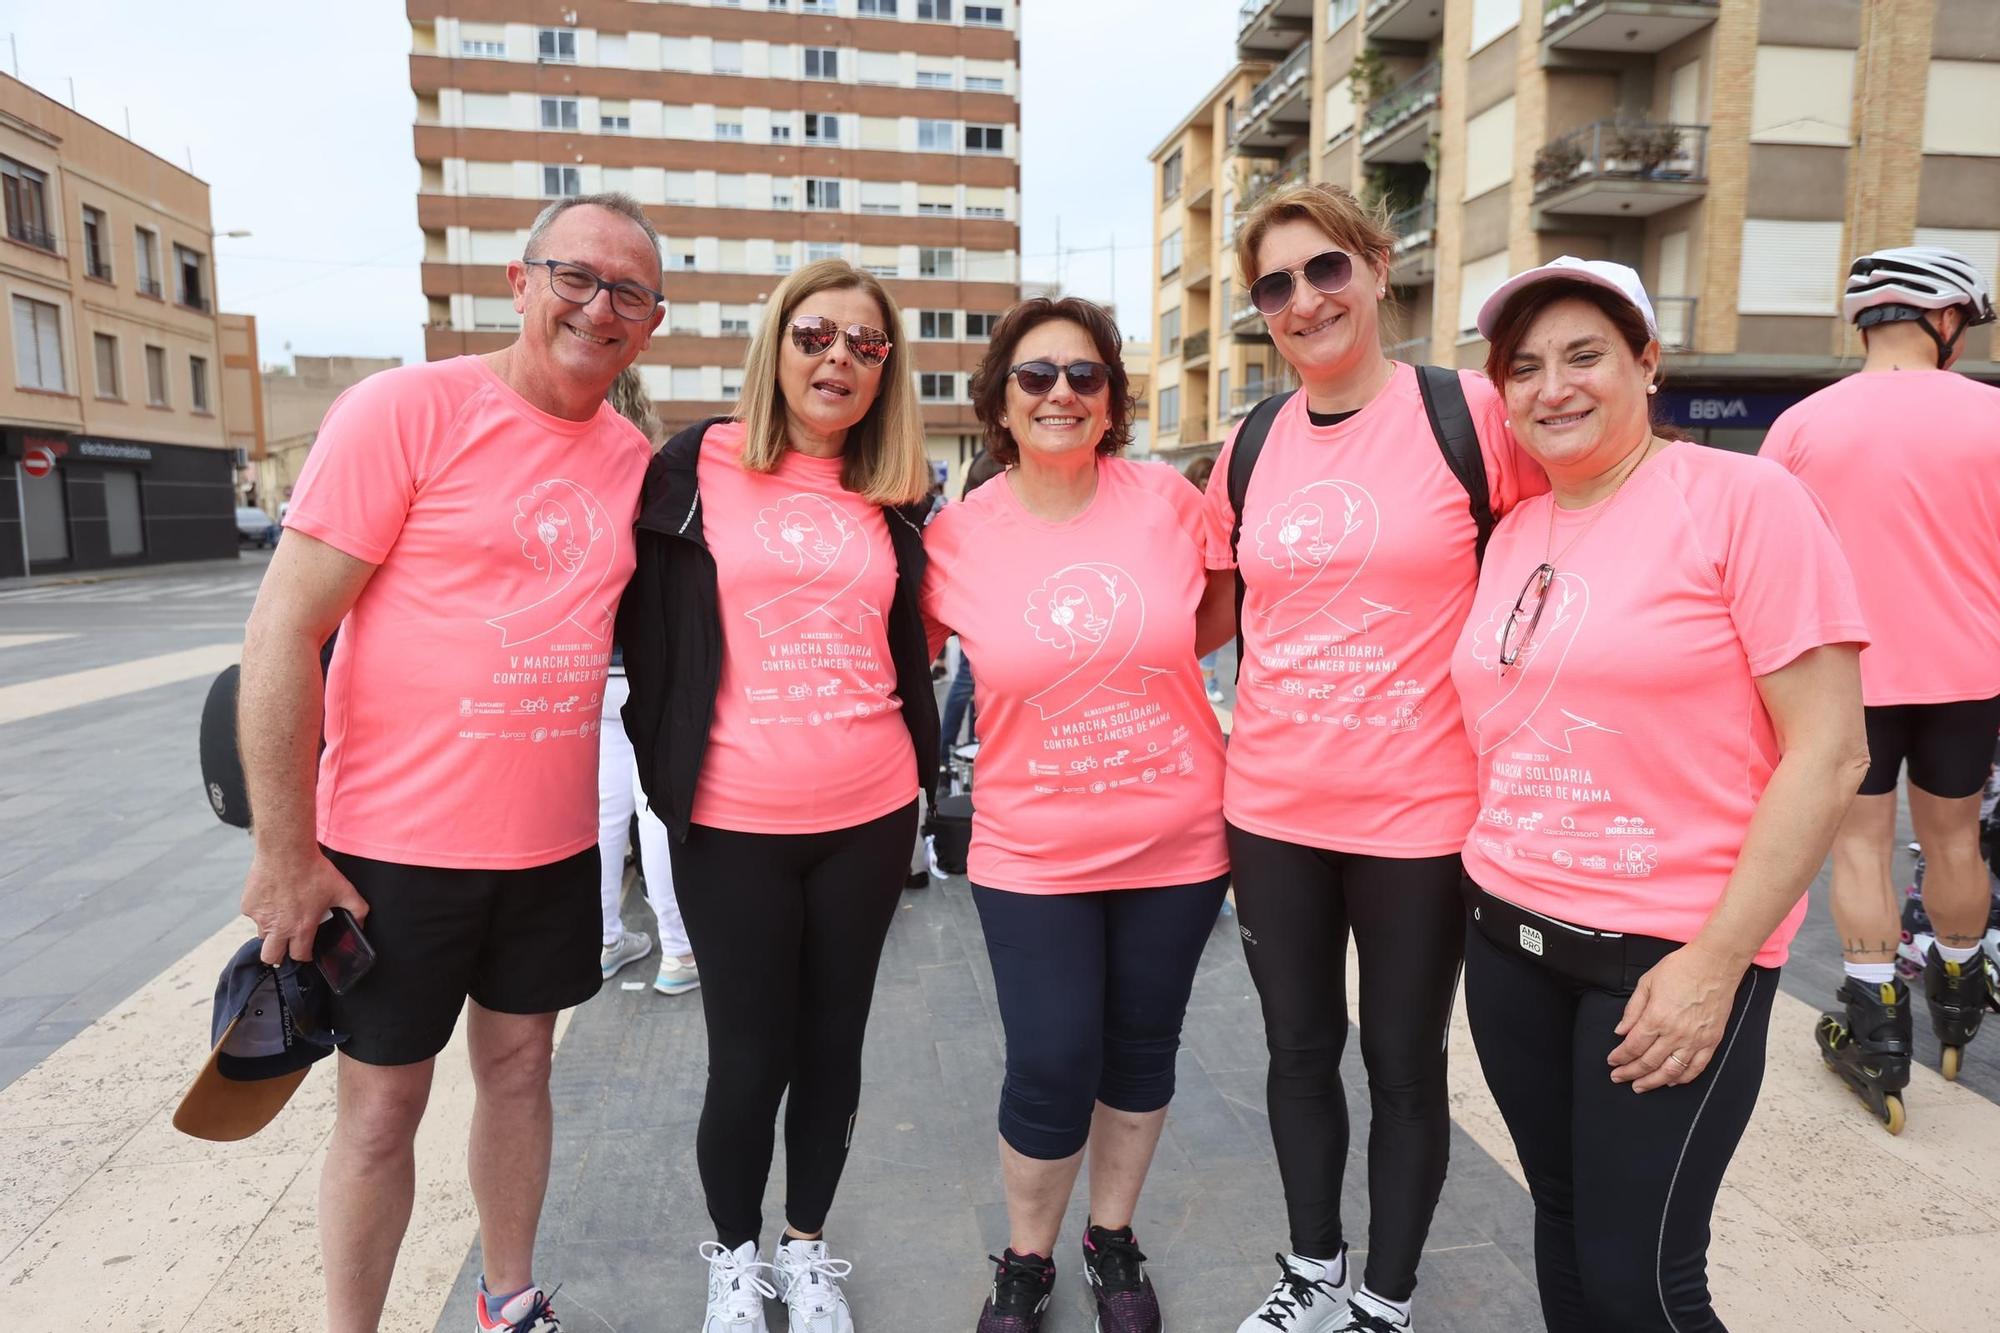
[{"x": 813, "y": 334}]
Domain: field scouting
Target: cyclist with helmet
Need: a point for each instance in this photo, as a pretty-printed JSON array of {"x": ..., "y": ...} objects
[{"x": 1906, "y": 458}]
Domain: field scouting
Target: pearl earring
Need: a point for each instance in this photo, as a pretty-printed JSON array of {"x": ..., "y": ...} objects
[{"x": 1652, "y": 388}]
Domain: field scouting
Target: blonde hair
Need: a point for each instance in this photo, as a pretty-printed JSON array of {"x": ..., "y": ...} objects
[
  {"x": 628, "y": 398},
  {"x": 1355, "y": 227},
  {"x": 884, "y": 461}
]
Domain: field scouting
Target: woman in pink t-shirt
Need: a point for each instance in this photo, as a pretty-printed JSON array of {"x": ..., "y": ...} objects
[
  {"x": 1660, "y": 678},
  {"x": 1097, "y": 859},
  {"x": 781, "y": 696},
  {"x": 1350, "y": 783}
]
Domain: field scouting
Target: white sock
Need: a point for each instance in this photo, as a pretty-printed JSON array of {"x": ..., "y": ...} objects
[
  {"x": 1400, "y": 1308},
  {"x": 1332, "y": 1270},
  {"x": 1955, "y": 955},
  {"x": 1874, "y": 974}
]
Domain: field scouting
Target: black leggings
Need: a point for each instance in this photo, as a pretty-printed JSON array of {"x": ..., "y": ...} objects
[
  {"x": 1297, "y": 905},
  {"x": 1092, "y": 990},
  {"x": 788, "y": 930},
  {"x": 1624, "y": 1182}
]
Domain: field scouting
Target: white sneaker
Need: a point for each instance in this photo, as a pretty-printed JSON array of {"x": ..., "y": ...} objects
[
  {"x": 627, "y": 948},
  {"x": 1368, "y": 1313},
  {"x": 1306, "y": 1299},
  {"x": 736, "y": 1294},
  {"x": 809, "y": 1285},
  {"x": 676, "y": 977}
]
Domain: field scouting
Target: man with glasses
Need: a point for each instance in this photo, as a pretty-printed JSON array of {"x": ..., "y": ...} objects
[{"x": 466, "y": 526}]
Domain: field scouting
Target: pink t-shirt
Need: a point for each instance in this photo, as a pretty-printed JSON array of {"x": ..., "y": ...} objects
[
  {"x": 1100, "y": 760},
  {"x": 1907, "y": 464},
  {"x": 808, "y": 733},
  {"x": 1357, "y": 559},
  {"x": 462, "y": 704},
  {"x": 1620, "y": 758}
]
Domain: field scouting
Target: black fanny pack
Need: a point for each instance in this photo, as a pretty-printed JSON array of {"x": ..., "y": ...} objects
[{"x": 1605, "y": 960}]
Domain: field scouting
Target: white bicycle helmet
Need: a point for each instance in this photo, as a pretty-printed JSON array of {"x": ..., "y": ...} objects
[{"x": 1908, "y": 282}]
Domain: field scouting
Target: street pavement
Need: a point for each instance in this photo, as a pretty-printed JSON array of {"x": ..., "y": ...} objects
[{"x": 117, "y": 904}]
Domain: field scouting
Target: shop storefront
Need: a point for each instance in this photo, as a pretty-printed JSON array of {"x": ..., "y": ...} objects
[{"x": 74, "y": 502}]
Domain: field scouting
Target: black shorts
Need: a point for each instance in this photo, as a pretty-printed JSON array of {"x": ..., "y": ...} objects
[
  {"x": 517, "y": 941},
  {"x": 1949, "y": 746}
]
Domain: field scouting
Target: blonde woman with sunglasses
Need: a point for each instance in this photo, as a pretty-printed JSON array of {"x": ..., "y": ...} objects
[{"x": 781, "y": 696}]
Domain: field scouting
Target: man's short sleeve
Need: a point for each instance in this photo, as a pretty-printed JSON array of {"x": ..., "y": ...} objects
[{"x": 366, "y": 463}]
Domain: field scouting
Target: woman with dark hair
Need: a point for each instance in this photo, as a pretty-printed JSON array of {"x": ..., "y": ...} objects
[
  {"x": 1661, "y": 682},
  {"x": 781, "y": 698},
  {"x": 1097, "y": 856}
]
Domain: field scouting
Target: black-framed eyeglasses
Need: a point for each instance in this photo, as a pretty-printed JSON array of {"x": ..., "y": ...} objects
[
  {"x": 1537, "y": 587},
  {"x": 579, "y": 286},
  {"x": 1039, "y": 377},
  {"x": 1328, "y": 271},
  {"x": 813, "y": 334}
]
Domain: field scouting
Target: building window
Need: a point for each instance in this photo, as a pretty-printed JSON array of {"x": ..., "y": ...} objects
[
  {"x": 146, "y": 247},
  {"x": 886, "y": 8},
  {"x": 781, "y": 261},
  {"x": 979, "y": 324},
  {"x": 1339, "y": 11},
  {"x": 881, "y": 197},
  {"x": 982, "y": 16},
  {"x": 198, "y": 383},
  {"x": 619, "y": 124},
  {"x": 936, "y": 78},
  {"x": 1170, "y": 177},
  {"x": 821, "y": 128},
  {"x": 985, "y": 139},
  {"x": 561, "y": 182},
  {"x": 1953, "y": 90},
  {"x": 26, "y": 191},
  {"x": 1490, "y": 18},
  {"x": 1489, "y": 149},
  {"x": 726, "y": 57},
  {"x": 1803, "y": 94},
  {"x": 38, "y": 345},
  {"x": 1170, "y": 252},
  {"x": 823, "y": 195},
  {"x": 556, "y": 46},
  {"x": 979, "y": 83},
  {"x": 937, "y": 11},
  {"x": 1478, "y": 280},
  {"x": 822, "y": 62},
  {"x": 781, "y": 134},
  {"x": 936, "y": 208},
  {"x": 936, "y": 263},
  {"x": 1790, "y": 268},
  {"x": 937, "y": 324},
  {"x": 156, "y": 376},
  {"x": 559, "y": 113},
  {"x": 188, "y": 285},
  {"x": 482, "y": 49},
  {"x": 96, "y": 251},
  {"x": 934, "y": 136},
  {"x": 935, "y": 387},
  {"x": 818, "y": 250},
  {"x": 106, "y": 349},
  {"x": 1170, "y": 332},
  {"x": 729, "y": 130},
  {"x": 1170, "y": 409}
]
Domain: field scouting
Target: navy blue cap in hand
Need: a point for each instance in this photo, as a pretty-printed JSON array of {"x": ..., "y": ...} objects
[{"x": 269, "y": 1026}]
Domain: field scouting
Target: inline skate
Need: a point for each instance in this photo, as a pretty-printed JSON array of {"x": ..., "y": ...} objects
[{"x": 1868, "y": 1044}]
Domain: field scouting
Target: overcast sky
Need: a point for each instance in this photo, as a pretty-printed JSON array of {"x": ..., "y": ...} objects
[{"x": 298, "y": 117}]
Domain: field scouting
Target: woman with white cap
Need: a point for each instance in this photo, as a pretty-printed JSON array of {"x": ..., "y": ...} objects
[{"x": 1660, "y": 681}]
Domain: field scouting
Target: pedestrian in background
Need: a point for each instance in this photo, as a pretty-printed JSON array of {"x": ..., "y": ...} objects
[{"x": 958, "y": 714}]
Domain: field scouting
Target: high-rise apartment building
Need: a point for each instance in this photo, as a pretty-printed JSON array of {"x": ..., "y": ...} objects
[
  {"x": 1737, "y": 153},
  {"x": 113, "y": 446},
  {"x": 761, "y": 135}
]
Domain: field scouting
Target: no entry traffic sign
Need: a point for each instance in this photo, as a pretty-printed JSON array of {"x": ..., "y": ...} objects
[{"x": 39, "y": 461}]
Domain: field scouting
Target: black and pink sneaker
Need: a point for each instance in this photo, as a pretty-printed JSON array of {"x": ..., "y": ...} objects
[
  {"x": 1021, "y": 1288},
  {"x": 1124, "y": 1294}
]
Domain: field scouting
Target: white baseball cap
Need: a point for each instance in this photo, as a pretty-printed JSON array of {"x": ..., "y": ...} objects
[{"x": 1597, "y": 272}]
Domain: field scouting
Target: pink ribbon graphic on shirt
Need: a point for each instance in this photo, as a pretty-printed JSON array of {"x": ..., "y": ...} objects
[
  {"x": 1094, "y": 611},
  {"x": 1307, "y": 533},
  {"x": 1530, "y": 703},
  {"x": 564, "y": 536},
  {"x": 823, "y": 546}
]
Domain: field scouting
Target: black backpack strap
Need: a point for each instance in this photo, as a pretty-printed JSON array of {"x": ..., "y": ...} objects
[
  {"x": 1242, "y": 459},
  {"x": 1451, "y": 424}
]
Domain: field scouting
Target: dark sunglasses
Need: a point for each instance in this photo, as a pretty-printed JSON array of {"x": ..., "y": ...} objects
[
  {"x": 1039, "y": 377},
  {"x": 579, "y": 286},
  {"x": 813, "y": 334},
  {"x": 1328, "y": 271}
]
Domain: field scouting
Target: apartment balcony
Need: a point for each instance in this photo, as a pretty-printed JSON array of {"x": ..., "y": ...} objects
[
  {"x": 1405, "y": 20},
  {"x": 1398, "y": 126},
  {"x": 1415, "y": 254},
  {"x": 1266, "y": 29},
  {"x": 1626, "y": 27},
  {"x": 1200, "y": 193},
  {"x": 1416, "y": 351},
  {"x": 1279, "y": 111},
  {"x": 1675, "y": 317},
  {"x": 1194, "y": 350},
  {"x": 1265, "y": 178},
  {"x": 1195, "y": 273},
  {"x": 28, "y": 233},
  {"x": 1245, "y": 324},
  {"x": 1620, "y": 169},
  {"x": 1243, "y": 399}
]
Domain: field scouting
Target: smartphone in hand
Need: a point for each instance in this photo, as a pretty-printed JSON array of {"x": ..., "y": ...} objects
[{"x": 341, "y": 952}]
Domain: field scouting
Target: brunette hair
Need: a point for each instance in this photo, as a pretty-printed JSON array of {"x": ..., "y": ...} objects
[
  {"x": 981, "y": 470},
  {"x": 989, "y": 382},
  {"x": 1527, "y": 305},
  {"x": 1199, "y": 471},
  {"x": 885, "y": 461},
  {"x": 1360, "y": 229}
]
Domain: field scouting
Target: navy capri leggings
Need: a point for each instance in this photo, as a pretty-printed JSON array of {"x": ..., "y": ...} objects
[{"x": 1092, "y": 990}]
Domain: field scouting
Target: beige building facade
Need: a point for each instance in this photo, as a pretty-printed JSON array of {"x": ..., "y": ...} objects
[
  {"x": 1737, "y": 153},
  {"x": 760, "y": 137},
  {"x": 293, "y": 400},
  {"x": 114, "y": 447}
]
